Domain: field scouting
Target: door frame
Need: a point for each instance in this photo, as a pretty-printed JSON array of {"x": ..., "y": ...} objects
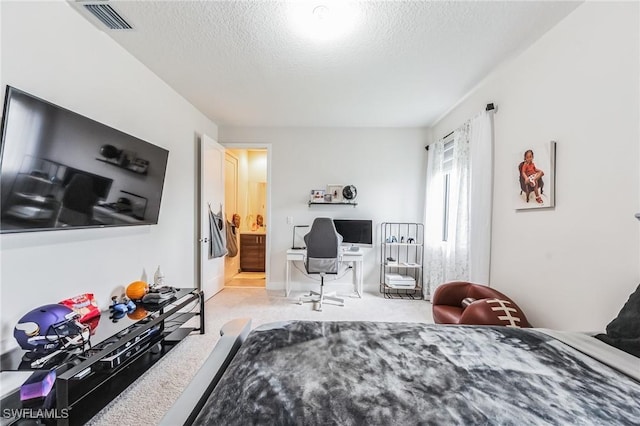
[
  {"x": 268, "y": 148},
  {"x": 232, "y": 264}
]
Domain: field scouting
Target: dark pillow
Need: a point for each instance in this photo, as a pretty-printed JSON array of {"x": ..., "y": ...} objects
[{"x": 624, "y": 331}]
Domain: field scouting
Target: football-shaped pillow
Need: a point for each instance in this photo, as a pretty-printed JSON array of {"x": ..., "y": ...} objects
[{"x": 492, "y": 312}]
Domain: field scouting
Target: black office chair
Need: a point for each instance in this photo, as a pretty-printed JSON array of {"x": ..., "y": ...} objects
[
  {"x": 323, "y": 248},
  {"x": 77, "y": 202}
]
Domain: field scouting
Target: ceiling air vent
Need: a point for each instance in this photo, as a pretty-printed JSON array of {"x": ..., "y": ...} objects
[{"x": 108, "y": 16}]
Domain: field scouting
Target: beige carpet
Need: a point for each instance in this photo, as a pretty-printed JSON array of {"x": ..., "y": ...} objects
[{"x": 146, "y": 400}]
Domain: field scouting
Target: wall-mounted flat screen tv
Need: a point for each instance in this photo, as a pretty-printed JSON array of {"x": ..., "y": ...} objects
[{"x": 61, "y": 170}]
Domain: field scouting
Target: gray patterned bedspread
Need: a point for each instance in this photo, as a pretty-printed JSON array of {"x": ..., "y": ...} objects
[{"x": 368, "y": 373}]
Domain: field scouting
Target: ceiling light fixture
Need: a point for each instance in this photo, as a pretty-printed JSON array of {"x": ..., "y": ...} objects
[
  {"x": 321, "y": 12},
  {"x": 330, "y": 20}
]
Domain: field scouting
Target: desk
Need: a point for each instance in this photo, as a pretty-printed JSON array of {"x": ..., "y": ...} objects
[
  {"x": 109, "y": 216},
  {"x": 356, "y": 258}
]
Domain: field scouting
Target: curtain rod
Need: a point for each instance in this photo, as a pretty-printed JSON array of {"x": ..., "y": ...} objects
[{"x": 489, "y": 107}]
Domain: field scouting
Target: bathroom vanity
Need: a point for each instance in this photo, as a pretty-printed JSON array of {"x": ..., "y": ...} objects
[{"x": 252, "y": 252}]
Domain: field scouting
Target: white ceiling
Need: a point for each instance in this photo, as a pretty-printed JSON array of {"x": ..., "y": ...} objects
[{"x": 404, "y": 64}]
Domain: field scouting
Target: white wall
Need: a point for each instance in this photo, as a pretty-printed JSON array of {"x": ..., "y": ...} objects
[
  {"x": 387, "y": 166},
  {"x": 49, "y": 50},
  {"x": 574, "y": 266}
]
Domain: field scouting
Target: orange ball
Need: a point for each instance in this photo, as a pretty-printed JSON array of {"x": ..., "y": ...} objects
[{"x": 136, "y": 290}]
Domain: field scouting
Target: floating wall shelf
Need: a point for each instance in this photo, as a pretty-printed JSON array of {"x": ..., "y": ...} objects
[
  {"x": 341, "y": 203},
  {"x": 140, "y": 169}
]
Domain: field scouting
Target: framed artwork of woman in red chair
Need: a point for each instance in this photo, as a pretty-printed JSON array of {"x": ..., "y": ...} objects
[{"x": 536, "y": 176}]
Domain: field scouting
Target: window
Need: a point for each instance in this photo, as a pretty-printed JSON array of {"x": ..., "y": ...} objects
[{"x": 447, "y": 166}]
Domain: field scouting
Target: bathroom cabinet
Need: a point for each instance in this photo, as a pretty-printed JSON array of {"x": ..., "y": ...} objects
[{"x": 252, "y": 252}]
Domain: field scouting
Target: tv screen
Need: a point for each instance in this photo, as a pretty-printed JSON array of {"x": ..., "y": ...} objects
[
  {"x": 60, "y": 170},
  {"x": 355, "y": 232}
]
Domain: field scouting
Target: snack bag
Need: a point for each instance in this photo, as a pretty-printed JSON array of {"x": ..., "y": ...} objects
[{"x": 85, "y": 305}]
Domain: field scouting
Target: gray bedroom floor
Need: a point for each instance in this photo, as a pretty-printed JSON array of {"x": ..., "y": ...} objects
[{"x": 146, "y": 401}]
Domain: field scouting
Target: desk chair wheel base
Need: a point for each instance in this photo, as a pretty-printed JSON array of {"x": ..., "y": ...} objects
[{"x": 320, "y": 298}]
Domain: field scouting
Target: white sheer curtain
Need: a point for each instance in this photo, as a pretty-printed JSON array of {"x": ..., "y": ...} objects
[
  {"x": 434, "y": 207},
  {"x": 465, "y": 255},
  {"x": 481, "y": 197}
]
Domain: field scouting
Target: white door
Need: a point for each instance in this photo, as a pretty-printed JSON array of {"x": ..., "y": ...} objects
[{"x": 212, "y": 161}]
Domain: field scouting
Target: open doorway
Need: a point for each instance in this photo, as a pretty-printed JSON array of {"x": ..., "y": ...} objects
[{"x": 246, "y": 199}]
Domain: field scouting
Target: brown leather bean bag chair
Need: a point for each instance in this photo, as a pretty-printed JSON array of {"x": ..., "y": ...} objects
[{"x": 462, "y": 302}]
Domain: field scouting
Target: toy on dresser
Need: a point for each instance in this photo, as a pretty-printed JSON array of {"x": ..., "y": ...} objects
[
  {"x": 159, "y": 292},
  {"x": 120, "y": 307},
  {"x": 159, "y": 295}
]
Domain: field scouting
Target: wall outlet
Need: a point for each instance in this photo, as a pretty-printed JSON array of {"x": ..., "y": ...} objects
[{"x": 289, "y": 220}]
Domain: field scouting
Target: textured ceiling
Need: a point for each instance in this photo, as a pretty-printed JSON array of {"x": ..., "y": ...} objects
[{"x": 404, "y": 64}]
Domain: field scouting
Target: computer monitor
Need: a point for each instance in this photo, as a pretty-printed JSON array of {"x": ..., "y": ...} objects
[{"x": 356, "y": 232}]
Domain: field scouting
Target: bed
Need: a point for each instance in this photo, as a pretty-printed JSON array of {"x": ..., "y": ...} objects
[{"x": 352, "y": 373}]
